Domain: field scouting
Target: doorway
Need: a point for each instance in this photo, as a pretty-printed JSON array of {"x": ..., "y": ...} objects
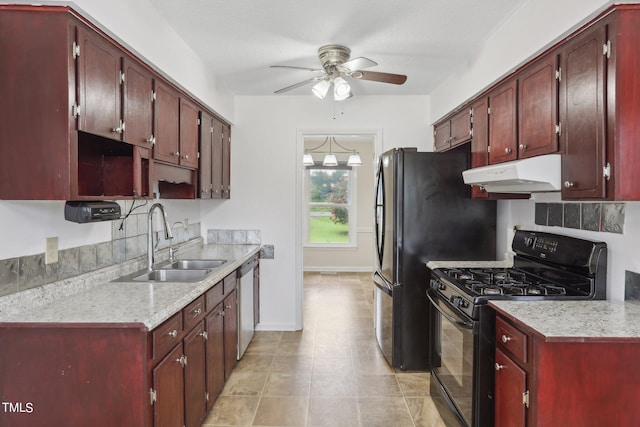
[{"x": 348, "y": 246}]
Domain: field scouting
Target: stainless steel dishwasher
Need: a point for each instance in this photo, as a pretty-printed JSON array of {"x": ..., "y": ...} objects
[{"x": 245, "y": 306}]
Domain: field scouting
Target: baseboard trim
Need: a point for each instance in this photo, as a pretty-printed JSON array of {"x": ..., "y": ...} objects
[{"x": 329, "y": 269}]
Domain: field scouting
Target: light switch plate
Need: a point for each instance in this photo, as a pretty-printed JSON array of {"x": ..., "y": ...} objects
[{"x": 51, "y": 251}]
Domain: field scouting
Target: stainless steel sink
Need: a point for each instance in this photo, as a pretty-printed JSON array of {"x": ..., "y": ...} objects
[
  {"x": 194, "y": 264},
  {"x": 171, "y": 275}
]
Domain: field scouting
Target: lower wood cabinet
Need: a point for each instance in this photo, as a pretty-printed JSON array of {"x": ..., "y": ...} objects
[
  {"x": 564, "y": 382},
  {"x": 121, "y": 375}
]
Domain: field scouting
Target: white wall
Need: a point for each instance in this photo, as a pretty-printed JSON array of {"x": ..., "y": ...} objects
[
  {"x": 264, "y": 174},
  {"x": 530, "y": 29}
]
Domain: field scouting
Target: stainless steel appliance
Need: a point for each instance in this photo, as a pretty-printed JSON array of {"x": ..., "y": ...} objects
[
  {"x": 245, "y": 306},
  {"x": 423, "y": 212},
  {"x": 545, "y": 266}
]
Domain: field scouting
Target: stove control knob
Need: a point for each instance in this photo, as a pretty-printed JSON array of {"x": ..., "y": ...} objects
[
  {"x": 458, "y": 301},
  {"x": 528, "y": 241}
]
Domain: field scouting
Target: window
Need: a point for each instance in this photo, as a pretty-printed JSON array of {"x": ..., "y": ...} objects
[{"x": 330, "y": 195}]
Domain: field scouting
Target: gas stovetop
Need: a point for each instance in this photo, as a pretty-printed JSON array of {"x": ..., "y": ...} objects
[{"x": 546, "y": 266}]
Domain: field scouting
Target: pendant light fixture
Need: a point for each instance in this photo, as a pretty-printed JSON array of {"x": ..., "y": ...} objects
[{"x": 330, "y": 159}]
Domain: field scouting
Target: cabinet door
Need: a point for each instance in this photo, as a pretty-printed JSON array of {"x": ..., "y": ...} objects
[
  {"x": 510, "y": 384},
  {"x": 441, "y": 135},
  {"x": 460, "y": 127},
  {"x": 215, "y": 353},
  {"x": 230, "y": 333},
  {"x": 582, "y": 116},
  {"x": 538, "y": 108},
  {"x": 194, "y": 377},
  {"x": 502, "y": 123},
  {"x": 99, "y": 90},
  {"x": 217, "y": 161},
  {"x": 189, "y": 132},
  {"x": 137, "y": 104},
  {"x": 168, "y": 382},
  {"x": 167, "y": 123},
  {"x": 205, "y": 160},
  {"x": 226, "y": 161},
  {"x": 480, "y": 142}
]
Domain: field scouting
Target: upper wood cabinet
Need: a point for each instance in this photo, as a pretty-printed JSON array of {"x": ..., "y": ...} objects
[
  {"x": 137, "y": 104},
  {"x": 538, "y": 125},
  {"x": 453, "y": 131},
  {"x": 214, "y": 158},
  {"x": 189, "y": 133},
  {"x": 480, "y": 141},
  {"x": 167, "y": 117},
  {"x": 502, "y": 123},
  {"x": 583, "y": 115}
]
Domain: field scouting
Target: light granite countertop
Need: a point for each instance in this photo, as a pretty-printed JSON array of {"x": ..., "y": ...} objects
[
  {"x": 125, "y": 303},
  {"x": 575, "y": 320}
]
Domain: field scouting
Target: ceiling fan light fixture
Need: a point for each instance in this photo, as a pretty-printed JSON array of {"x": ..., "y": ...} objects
[
  {"x": 321, "y": 88},
  {"x": 354, "y": 160},
  {"x": 341, "y": 89},
  {"x": 307, "y": 160},
  {"x": 330, "y": 160}
]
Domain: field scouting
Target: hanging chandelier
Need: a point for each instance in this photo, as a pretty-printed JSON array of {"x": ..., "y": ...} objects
[{"x": 330, "y": 158}]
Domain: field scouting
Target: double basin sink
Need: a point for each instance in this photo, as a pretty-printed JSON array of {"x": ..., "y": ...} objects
[{"x": 183, "y": 270}]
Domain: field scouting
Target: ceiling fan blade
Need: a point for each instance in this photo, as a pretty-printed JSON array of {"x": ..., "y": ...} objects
[
  {"x": 302, "y": 83},
  {"x": 296, "y": 68},
  {"x": 359, "y": 63},
  {"x": 396, "y": 79}
]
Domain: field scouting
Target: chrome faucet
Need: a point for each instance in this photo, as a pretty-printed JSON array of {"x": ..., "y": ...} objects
[{"x": 167, "y": 234}]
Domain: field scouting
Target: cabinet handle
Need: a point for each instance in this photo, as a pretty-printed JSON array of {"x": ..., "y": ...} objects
[
  {"x": 204, "y": 335},
  {"x": 119, "y": 129},
  {"x": 176, "y": 154},
  {"x": 228, "y": 306},
  {"x": 506, "y": 339},
  {"x": 568, "y": 184},
  {"x": 507, "y": 150},
  {"x": 197, "y": 311},
  {"x": 221, "y": 313},
  {"x": 186, "y": 157},
  {"x": 523, "y": 147},
  {"x": 499, "y": 366},
  {"x": 151, "y": 140},
  {"x": 173, "y": 333},
  {"x": 182, "y": 360}
]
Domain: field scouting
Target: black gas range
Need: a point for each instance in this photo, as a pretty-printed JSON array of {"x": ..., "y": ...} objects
[{"x": 545, "y": 266}]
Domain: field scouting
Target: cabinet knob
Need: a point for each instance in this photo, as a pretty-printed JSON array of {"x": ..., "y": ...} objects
[
  {"x": 151, "y": 140},
  {"x": 568, "y": 184},
  {"x": 523, "y": 147},
  {"x": 499, "y": 366},
  {"x": 173, "y": 333},
  {"x": 228, "y": 306},
  {"x": 182, "y": 360},
  {"x": 506, "y": 339},
  {"x": 176, "y": 154},
  {"x": 197, "y": 311},
  {"x": 204, "y": 335},
  {"x": 221, "y": 313},
  {"x": 186, "y": 157},
  {"x": 507, "y": 150}
]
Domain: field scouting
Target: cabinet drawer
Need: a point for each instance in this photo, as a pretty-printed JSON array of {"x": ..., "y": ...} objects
[
  {"x": 229, "y": 283},
  {"x": 194, "y": 312},
  {"x": 511, "y": 339},
  {"x": 167, "y": 335},
  {"x": 214, "y": 296}
]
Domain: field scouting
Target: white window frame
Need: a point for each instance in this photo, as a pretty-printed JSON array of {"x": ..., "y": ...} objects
[{"x": 351, "y": 209}]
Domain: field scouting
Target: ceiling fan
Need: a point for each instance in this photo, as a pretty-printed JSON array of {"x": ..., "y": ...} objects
[{"x": 336, "y": 65}]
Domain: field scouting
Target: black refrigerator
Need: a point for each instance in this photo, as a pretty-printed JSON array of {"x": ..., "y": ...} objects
[{"x": 423, "y": 212}]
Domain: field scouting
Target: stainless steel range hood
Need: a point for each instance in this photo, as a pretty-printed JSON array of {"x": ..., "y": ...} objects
[{"x": 535, "y": 174}]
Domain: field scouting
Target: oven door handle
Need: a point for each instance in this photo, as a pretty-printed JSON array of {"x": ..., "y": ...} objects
[{"x": 447, "y": 316}]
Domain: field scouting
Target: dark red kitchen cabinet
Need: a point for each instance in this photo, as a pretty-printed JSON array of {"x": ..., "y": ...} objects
[
  {"x": 189, "y": 133},
  {"x": 480, "y": 141},
  {"x": 168, "y": 390},
  {"x": 215, "y": 353},
  {"x": 510, "y": 385},
  {"x": 205, "y": 184},
  {"x": 195, "y": 396},
  {"x": 583, "y": 117},
  {"x": 538, "y": 125},
  {"x": 226, "y": 161},
  {"x": 137, "y": 108},
  {"x": 453, "y": 131},
  {"x": 502, "y": 122},
  {"x": 167, "y": 118},
  {"x": 230, "y": 333},
  {"x": 442, "y": 135}
]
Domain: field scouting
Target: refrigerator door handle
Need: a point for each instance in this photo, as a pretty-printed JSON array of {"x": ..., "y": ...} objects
[{"x": 382, "y": 283}]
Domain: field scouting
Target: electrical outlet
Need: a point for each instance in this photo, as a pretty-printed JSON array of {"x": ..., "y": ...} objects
[
  {"x": 185, "y": 223},
  {"x": 51, "y": 251}
]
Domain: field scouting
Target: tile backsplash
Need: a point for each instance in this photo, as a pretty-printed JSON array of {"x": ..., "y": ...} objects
[
  {"x": 605, "y": 217},
  {"x": 128, "y": 241}
]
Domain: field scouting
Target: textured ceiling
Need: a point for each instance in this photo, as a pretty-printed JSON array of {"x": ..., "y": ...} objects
[{"x": 426, "y": 40}]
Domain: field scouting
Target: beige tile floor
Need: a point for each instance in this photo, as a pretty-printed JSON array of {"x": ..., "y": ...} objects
[{"x": 329, "y": 374}]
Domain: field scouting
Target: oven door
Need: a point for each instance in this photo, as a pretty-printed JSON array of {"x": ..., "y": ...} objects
[{"x": 452, "y": 360}]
